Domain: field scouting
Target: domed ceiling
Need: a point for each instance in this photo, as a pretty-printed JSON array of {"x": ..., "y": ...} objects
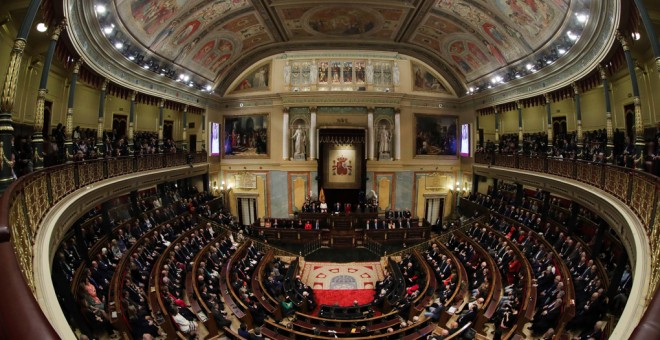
[{"x": 468, "y": 38}]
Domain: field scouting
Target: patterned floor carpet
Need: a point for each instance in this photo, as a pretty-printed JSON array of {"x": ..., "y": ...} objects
[{"x": 338, "y": 276}]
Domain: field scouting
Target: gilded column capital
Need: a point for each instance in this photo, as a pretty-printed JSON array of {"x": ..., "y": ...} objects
[
  {"x": 625, "y": 41},
  {"x": 42, "y": 93},
  {"x": 104, "y": 86},
  {"x": 548, "y": 98},
  {"x": 518, "y": 105},
  {"x": 185, "y": 108},
  {"x": 161, "y": 103},
  {"x": 57, "y": 30},
  {"x": 77, "y": 65},
  {"x": 312, "y": 109},
  {"x": 19, "y": 45},
  {"x": 370, "y": 110},
  {"x": 603, "y": 72},
  {"x": 133, "y": 95},
  {"x": 285, "y": 109},
  {"x": 576, "y": 88}
]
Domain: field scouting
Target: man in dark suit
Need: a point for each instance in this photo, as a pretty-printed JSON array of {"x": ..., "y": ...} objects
[
  {"x": 337, "y": 208},
  {"x": 469, "y": 316}
]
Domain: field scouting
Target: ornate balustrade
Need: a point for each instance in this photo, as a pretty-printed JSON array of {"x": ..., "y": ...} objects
[
  {"x": 638, "y": 190},
  {"x": 23, "y": 206}
]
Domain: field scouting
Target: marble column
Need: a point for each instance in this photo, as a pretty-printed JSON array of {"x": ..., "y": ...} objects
[
  {"x": 370, "y": 133},
  {"x": 204, "y": 131},
  {"x": 184, "y": 133},
  {"x": 639, "y": 124},
  {"x": 520, "y": 127},
  {"x": 161, "y": 113},
  {"x": 285, "y": 134},
  {"x": 99, "y": 129},
  {"x": 478, "y": 136},
  {"x": 578, "y": 115},
  {"x": 38, "y": 127},
  {"x": 397, "y": 134},
  {"x": 497, "y": 129},
  {"x": 312, "y": 133},
  {"x": 9, "y": 95},
  {"x": 608, "y": 114},
  {"x": 68, "y": 143},
  {"x": 650, "y": 30},
  {"x": 548, "y": 113},
  {"x": 131, "y": 123}
]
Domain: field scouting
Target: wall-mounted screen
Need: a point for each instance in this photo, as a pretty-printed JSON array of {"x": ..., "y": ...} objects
[
  {"x": 215, "y": 139},
  {"x": 465, "y": 140}
]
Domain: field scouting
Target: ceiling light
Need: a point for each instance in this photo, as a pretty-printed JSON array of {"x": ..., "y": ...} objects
[
  {"x": 529, "y": 66},
  {"x": 131, "y": 57},
  {"x": 209, "y": 88},
  {"x": 119, "y": 45},
  {"x": 571, "y": 35},
  {"x": 100, "y": 9},
  {"x": 561, "y": 51},
  {"x": 41, "y": 27},
  {"x": 581, "y": 17},
  {"x": 107, "y": 29},
  {"x": 635, "y": 35},
  {"x": 146, "y": 66}
]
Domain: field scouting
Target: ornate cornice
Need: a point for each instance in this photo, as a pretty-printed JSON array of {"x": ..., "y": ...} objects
[
  {"x": 596, "y": 42},
  {"x": 101, "y": 57}
]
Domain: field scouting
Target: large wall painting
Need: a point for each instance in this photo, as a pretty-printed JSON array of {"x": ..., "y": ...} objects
[
  {"x": 257, "y": 80},
  {"x": 424, "y": 80},
  {"x": 435, "y": 135},
  {"x": 246, "y": 136}
]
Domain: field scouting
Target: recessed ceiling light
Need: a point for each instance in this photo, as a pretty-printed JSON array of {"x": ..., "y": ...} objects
[
  {"x": 635, "y": 35},
  {"x": 119, "y": 45},
  {"x": 100, "y": 9},
  {"x": 146, "y": 66},
  {"x": 131, "y": 57},
  {"x": 581, "y": 17},
  {"x": 561, "y": 51},
  {"x": 41, "y": 27},
  {"x": 209, "y": 88},
  {"x": 107, "y": 29}
]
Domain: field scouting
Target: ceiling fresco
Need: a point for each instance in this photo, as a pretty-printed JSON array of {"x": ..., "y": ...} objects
[{"x": 471, "y": 37}]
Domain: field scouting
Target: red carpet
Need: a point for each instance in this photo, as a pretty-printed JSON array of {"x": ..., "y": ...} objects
[{"x": 342, "y": 297}]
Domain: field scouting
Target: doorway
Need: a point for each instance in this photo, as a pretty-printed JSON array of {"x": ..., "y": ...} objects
[
  {"x": 119, "y": 123},
  {"x": 192, "y": 143},
  {"x": 630, "y": 122},
  {"x": 247, "y": 210},
  {"x": 45, "y": 130},
  {"x": 168, "y": 128}
]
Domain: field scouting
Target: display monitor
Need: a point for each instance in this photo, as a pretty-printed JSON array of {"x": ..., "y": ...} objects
[
  {"x": 465, "y": 140},
  {"x": 215, "y": 139}
]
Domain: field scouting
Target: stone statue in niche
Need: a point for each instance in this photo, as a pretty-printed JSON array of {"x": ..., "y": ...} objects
[
  {"x": 384, "y": 143},
  {"x": 395, "y": 74},
  {"x": 299, "y": 138},
  {"x": 369, "y": 70},
  {"x": 287, "y": 73}
]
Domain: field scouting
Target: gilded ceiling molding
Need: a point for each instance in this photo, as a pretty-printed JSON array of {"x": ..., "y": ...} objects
[
  {"x": 96, "y": 51},
  {"x": 567, "y": 69}
]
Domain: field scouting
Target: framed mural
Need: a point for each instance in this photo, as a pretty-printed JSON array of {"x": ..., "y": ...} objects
[
  {"x": 435, "y": 135},
  {"x": 257, "y": 80},
  {"x": 424, "y": 80},
  {"x": 246, "y": 136}
]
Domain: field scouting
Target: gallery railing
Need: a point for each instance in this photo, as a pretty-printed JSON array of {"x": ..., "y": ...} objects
[
  {"x": 22, "y": 207},
  {"x": 639, "y": 190}
]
